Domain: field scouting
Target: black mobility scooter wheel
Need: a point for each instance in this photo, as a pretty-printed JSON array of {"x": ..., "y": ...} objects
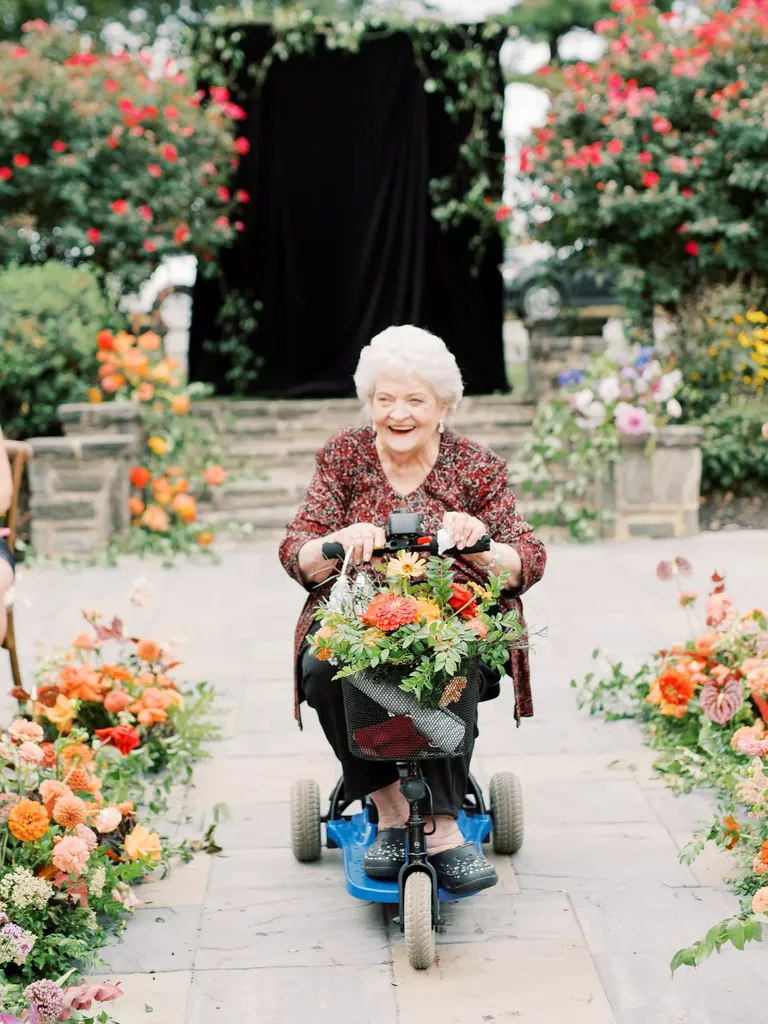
[
  {"x": 305, "y": 820},
  {"x": 417, "y": 911},
  {"x": 507, "y": 813}
]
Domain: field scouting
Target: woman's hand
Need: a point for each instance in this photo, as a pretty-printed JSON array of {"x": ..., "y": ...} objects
[
  {"x": 362, "y": 538},
  {"x": 466, "y": 532}
]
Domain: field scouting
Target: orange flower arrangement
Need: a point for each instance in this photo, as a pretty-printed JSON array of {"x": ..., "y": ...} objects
[
  {"x": 394, "y": 612},
  {"x": 81, "y": 682},
  {"x": 28, "y": 821}
]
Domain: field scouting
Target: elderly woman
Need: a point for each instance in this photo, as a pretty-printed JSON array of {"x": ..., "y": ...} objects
[
  {"x": 6, "y": 558},
  {"x": 408, "y": 459}
]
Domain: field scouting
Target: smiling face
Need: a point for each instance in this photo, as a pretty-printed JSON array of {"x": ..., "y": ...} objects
[{"x": 406, "y": 412}]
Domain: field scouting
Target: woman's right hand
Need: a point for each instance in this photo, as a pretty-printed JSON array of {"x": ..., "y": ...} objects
[{"x": 362, "y": 538}]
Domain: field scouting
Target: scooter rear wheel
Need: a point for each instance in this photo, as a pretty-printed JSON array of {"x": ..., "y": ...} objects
[
  {"x": 417, "y": 909},
  {"x": 306, "y": 840}
]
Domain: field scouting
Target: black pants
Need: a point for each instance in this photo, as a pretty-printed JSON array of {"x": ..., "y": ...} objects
[{"x": 446, "y": 776}]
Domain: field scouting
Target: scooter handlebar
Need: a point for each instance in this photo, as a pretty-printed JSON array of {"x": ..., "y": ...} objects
[{"x": 333, "y": 551}]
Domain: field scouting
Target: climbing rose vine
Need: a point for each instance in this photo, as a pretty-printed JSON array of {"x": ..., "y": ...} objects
[
  {"x": 107, "y": 160},
  {"x": 653, "y": 157}
]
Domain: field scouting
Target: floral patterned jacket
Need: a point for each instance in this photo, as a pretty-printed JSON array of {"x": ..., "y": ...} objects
[{"x": 349, "y": 486}]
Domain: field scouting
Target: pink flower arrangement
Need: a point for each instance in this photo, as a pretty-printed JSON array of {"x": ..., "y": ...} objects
[{"x": 632, "y": 420}]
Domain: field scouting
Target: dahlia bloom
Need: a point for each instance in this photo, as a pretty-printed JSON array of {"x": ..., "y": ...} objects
[
  {"x": 71, "y": 855},
  {"x": 719, "y": 606},
  {"x": 31, "y": 753},
  {"x": 756, "y": 673},
  {"x": 751, "y": 740},
  {"x": 760, "y": 901},
  {"x": 632, "y": 420},
  {"x": 395, "y": 612},
  {"x": 21, "y": 730},
  {"x": 69, "y": 811}
]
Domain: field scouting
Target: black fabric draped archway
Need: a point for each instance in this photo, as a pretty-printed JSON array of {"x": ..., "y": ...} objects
[{"x": 339, "y": 238}]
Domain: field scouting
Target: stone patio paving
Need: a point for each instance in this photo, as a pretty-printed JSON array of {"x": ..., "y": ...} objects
[{"x": 587, "y": 915}]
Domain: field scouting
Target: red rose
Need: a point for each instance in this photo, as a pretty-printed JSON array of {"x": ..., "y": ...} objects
[
  {"x": 661, "y": 125},
  {"x": 239, "y": 226},
  {"x": 222, "y": 222},
  {"x": 615, "y": 146},
  {"x": 104, "y": 338},
  {"x": 154, "y": 170},
  {"x": 5, "y": 173},
  {"x": 112, "y": 141},
  {"x": 686, "y": 193},
  {"x": 463, "y": 601},
  {"x": 692, "y": 248},
  {"x": 219, "y": 94},
  {"x": 242, "y": 145},
  {"x": 119, "y": 206},
  {"x": 145, "y": 212},
  {"x": 171, "y": 112},
  {"x": 169, "y": 153},
  {"x": 58, "y": 146},
  {"x": 124, "y": 737},
  {"x": 20, "y": 160},
  {"x": 645, "y": 157},
  {"x": 715, "y": 114},
  {"x": 149, "y": 245},
  {"x": 93, "y": 235},
  {"x": 181, "y": 234},
  {"x": 223, "y": 193},
  {"x": 111, "y": 85},
  {"x": 140, "y": 477},
  {"x": 242, "y": 196},
  {"x": 650, "y": 179}
]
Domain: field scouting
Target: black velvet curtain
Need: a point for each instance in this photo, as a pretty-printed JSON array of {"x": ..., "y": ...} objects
[{"x": 340, "y": 241}]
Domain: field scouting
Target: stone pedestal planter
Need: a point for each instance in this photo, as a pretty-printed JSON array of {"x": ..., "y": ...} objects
[
  {"x": 79, "y": 483},
  {"x": 658, "y": 495},
  {"x": 549, "y": 355}
]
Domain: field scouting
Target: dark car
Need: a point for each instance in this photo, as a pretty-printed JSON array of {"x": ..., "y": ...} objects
[{"x": 539, "y": 289}]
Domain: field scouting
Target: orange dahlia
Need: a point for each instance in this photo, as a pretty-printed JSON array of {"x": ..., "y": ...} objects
[
  {"x": 79, "y": 781},
  {"x": 395, "y": 612},
  {"x": 69, "y": 810},
  {"x": 28, "y": 821}
]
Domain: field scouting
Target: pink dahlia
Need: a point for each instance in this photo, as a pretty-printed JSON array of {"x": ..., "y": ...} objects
[{"x": 632, "y": 419}]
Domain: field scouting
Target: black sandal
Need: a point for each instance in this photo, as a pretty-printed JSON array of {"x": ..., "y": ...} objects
[
  {"x": 386, "y": 855},
  {"x": 463, "y": 870}
]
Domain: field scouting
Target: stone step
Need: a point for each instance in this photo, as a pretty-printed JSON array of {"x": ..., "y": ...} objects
[
  {"x": 470, "y": 424},
  {"x": 293, "y": 409}
]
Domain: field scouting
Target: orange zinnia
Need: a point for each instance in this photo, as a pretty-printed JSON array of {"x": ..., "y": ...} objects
[
  {"x": 395, "y": 612},
  {"x": 28, "y": 821},
  {"x": 77, "y": 751}
]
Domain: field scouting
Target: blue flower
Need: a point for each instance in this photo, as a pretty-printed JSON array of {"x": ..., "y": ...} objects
[
  {"x": 646, "y": 355},
  {"x": 570, "y": 377}
]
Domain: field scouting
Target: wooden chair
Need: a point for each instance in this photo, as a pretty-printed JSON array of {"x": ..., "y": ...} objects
[{"x": 19, "y": 454}]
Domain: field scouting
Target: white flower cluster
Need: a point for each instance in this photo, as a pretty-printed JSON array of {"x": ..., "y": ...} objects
[
  {"x": 21, "y": 889},
  {"x": 636, "y": 397},
  {"x": 96, "y": 881}
]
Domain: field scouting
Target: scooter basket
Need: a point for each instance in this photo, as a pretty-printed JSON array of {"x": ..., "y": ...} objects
[{"x": 384, "y": 723}]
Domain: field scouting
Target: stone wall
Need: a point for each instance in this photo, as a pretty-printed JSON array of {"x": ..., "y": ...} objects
[{"x": 79, "y": 485}]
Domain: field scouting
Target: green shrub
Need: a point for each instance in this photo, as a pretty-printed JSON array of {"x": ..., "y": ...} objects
[
  {"x": 49, "y": 317},
  {"x": 734, "y": 454}
]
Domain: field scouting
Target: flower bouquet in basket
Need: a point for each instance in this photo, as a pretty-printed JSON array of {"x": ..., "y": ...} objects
[{"x": 413, "y": 646}]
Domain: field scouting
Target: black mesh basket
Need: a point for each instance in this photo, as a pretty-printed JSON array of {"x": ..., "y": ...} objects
[{"x": 386, "y": 724}]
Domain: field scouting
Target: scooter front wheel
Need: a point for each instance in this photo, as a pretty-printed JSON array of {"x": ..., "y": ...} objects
[
  {"x": 417, "y": 911},
  {"x": 306, "y": 840}
]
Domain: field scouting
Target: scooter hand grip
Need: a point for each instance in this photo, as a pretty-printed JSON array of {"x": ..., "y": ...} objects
[
  {"x": 484, "y": 544},
  {"x": 333, "y": 550}
]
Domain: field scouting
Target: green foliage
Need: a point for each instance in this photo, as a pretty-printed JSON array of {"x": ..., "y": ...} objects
[
  {"x": 680, "y": 196},
  {"x": 616, "y": 695},
  {"x": 734, "y": 453},
  {"x": 49, "y": 316}
]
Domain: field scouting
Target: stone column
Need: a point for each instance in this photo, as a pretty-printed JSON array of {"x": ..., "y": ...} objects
[
  {"x": 658, "y": 495},
  {"x": 79, "y": 483}
]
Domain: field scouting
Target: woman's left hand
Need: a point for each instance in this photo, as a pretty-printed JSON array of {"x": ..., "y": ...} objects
[{"x": 466, "y": 531}]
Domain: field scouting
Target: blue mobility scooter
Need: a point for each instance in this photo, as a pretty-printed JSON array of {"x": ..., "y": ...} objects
[{"x": 375, "y": 732}]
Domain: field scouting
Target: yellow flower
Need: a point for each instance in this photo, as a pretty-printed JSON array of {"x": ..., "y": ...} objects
[
  {"x": 757, "y": 317},
  {"x": 428, "y": 609},
  {"x": 62, "y": 714},
  {"x": 480, "y": 591},
  {"x": 745, "y": 340},
  {"x": 158, "y": 445},
  {"x": 142, "y": 843},
  {"x": 406, "y": 565},
  {"x": 95, "y": 396},
  {"x": 739, "y": 319}
]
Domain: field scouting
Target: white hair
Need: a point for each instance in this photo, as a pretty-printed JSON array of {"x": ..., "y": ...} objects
[{"x": 410, "y": 351}]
